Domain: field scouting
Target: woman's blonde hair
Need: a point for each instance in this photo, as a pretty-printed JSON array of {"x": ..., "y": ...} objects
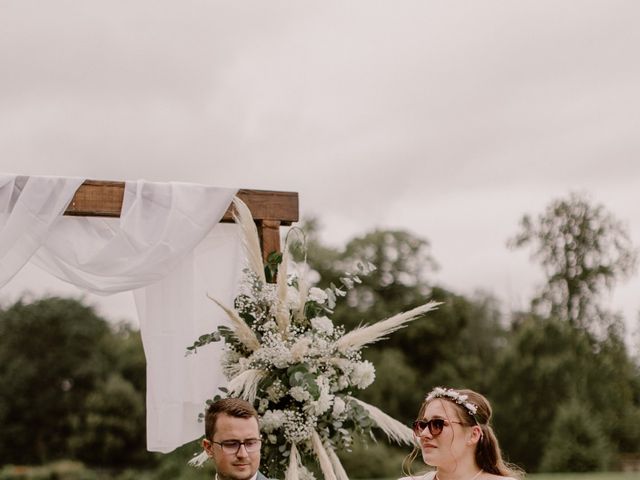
[{"x": 488, "y": 455}]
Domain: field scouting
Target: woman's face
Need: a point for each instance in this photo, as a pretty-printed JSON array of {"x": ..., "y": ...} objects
[{"x": 445, "y": 449}]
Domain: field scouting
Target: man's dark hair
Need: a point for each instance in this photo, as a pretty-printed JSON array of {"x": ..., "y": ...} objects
[{"x": 234, "y": 407}]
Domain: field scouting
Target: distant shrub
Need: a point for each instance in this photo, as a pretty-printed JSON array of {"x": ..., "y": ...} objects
[
  {"x": 576, "y": 442},
  {"x": 62, "y": 470}
]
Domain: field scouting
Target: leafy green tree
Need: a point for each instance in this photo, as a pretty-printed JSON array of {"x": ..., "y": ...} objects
[
  {"x": 542, "y": 366},
  {"x": 48, "y": 365},
  {"x": 109, "y": 432},
  {"x": 549, "y": 363},
  {"x": 68, "y": 382},
  {"x": 575, "y": 442},
  {"x": 584, "y": 250}
]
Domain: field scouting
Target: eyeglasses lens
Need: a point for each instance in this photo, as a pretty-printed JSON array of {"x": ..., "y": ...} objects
[
  {"x": 435, "y": 426},
  {"x": 233, "y": 446}
]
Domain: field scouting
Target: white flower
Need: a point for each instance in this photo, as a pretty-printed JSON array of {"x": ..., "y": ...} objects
[
  {"x": 300, "y": 349},
  {"x": 272, "y": 420},
  {"x": 299, "y": 394},
  {"x": 363, "y": 374},
  {"x": 317, "y": 295},
  {"x": 322, "y": 325},
  {"x": 341, "y": 383},
  {"x": 324, "y": 401},
  {"x": 339, "y": 406}
]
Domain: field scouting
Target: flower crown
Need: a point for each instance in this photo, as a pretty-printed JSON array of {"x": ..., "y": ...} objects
[{"x": 454, "y": 396}]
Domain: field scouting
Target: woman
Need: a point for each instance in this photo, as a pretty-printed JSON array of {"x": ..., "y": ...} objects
[{"x": 455, "y": 436}]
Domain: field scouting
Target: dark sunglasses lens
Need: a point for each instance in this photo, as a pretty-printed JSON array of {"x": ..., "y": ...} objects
[
  {"x": 419, "y": 426},
  {"x": 435, "y": 426}
]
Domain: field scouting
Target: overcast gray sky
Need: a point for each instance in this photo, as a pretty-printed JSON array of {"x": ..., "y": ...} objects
[{"x": 449, "y": 119}]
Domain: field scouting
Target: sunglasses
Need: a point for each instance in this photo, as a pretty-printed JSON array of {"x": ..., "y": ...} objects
[{"x": 435, "y": 426}]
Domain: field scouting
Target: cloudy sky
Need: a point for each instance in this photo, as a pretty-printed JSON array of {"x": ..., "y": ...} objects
[{"x": 449, "y": 119}]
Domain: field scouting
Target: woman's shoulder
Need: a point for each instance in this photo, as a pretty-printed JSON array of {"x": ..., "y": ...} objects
[{"x": 424, "y": 476}]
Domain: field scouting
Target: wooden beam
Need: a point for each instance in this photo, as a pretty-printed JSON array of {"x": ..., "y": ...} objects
[
  {"x": 270, "y": 209},
  {"x": 97, "y": 198}
]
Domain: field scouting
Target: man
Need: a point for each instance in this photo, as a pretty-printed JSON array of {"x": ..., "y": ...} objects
[{"x": 232, "y": 439}]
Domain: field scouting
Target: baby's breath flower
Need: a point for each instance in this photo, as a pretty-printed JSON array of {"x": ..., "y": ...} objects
[{"x": 298, "y": 427}]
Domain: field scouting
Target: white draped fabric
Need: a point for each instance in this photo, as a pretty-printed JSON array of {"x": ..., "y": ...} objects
[{"x": 167, "y": 247}]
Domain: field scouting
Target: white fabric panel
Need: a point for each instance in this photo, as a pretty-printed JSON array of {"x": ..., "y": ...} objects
[
  {"x": 29, "y": 208},
  {"x": 160, "y": 223},
  {"x": 167, "y": 246},
  {"x": 173, "y": 314}
]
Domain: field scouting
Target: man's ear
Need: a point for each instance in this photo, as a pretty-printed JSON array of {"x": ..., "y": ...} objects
[{"x": 207, "y": 445}]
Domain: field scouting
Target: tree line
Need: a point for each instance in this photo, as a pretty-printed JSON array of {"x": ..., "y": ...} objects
[{"x": 565, "y": 388}]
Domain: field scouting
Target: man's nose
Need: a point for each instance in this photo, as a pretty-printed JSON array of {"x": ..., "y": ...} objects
[{"x": 242, "y": 451}]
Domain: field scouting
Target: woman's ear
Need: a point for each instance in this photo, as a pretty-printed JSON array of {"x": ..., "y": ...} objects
[{"x": 476, "y": 435}]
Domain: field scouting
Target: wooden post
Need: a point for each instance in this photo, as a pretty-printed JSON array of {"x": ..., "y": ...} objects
[{"x": 270, "y": 209}]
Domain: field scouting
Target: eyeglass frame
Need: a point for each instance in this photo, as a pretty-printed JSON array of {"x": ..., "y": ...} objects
[
  {"x": 428, "y": 424},
  {"x": 227, "y": 443}
]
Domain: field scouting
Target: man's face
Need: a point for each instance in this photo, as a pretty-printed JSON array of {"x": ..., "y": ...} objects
[{"x": 241, "y": 465}]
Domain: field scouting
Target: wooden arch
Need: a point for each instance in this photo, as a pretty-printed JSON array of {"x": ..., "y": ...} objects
[{"x": 270, "y": 209}]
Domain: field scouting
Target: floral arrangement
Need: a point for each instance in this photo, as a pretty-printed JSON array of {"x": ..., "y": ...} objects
[{"x": 285, "y": 356}]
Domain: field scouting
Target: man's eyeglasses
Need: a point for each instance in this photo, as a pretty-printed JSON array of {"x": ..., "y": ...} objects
[
  {"x": 435, "y": 426},
  {"x": 231, "y": 447}
]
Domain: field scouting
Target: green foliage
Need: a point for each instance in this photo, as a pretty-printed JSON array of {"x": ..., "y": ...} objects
[
  {"x": 105, "y": 436},
  {"x": 547, "y": 364},
  {"x": 69, "y": 384},
  {"x": 373, "y": 460},
  {"x": 576, "y": 442},
  {"x": 62, "y": 470},
  {"x": 584, "y": 250}
]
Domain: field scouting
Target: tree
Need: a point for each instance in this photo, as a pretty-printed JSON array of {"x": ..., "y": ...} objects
[
  {"x": 549, "y": 367},
  {"x": 575, "y": 442},
  {"x": 67, "y": 379},
  {"x": 48, "y": 365},
  {"x": 584, "y": 250}
]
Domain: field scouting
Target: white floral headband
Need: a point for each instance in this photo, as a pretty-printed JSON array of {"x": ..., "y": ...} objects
[{"x": 453, "y": 395}]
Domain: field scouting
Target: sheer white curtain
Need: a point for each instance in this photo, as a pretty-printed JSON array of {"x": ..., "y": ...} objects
[{"x": 168, "y": 247}]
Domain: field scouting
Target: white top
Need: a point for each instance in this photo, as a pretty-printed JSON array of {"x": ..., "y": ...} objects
[{"x": 426, "y": 476}]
